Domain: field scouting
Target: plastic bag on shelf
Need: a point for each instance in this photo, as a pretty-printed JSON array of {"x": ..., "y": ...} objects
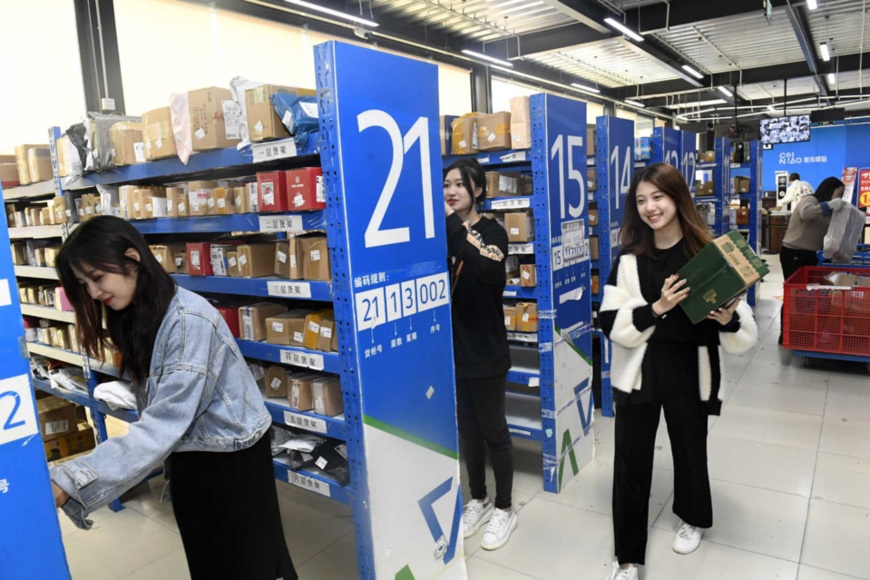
[
  {"x": 180, "y": 115},
  {"x": 70, "y": 379},
  {"x": 116, "y": 394},
  {"x": 100, "y": 157},
  {"x": 298, "y": 114},
  {"x": 844, "y": 233},
  {"x": 331, "y": 457},
  {"x": 238, "y": 86}
]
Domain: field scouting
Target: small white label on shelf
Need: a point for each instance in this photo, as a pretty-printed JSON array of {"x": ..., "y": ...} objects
[
  {"x": 243, "y": 259},
  {"x": 298, "y": 337},
  {"x": 231, "y": 261},
  {"x": 259, "y": 127},
  {"x": 232, "y": 119},
  {"x": 222, "y": 203},
  {"x": 510, "y": 293},
  {"x": 304, "y": 422},
  {"x": 325, "y": 332},
  {"x": 277, "y": 327},
  {"x": 310, "y": 109},
  {"x": 321, "y": 194},
  {"x": 302, "y": 359},
  {"x": 291, "y": 224},
  {"x": 211, "y": 202},
  {"x": 149, "y": 208},
  {"x": 181, "y": 207},
  {"x": 518, "y": 156},
  {"x": 298, "y": 201},
  {"x": 522, "y": 336},
  {"x": 491, "y": 137},
  {"x": 288, "y": 289},
  {"x": 321, "y": 462},
  {"x": 276, "y": 384},
  {"x": 314, "y": 327},
  {"x": 159, "y": 143},
  {"x": 282, "y": 257},
  {"x": 52, "y": 427},
  {"x": 526, "y": 275},
  {"x": 525, "y": 317},
  {"x": 534, "y": 381},
  {"x": 308, "y": 483},
  {"x": 139, "y": 152},
  {"x": 194, "y": 258},
  {"x": 179, "y": 261},
  {"x": 271, "y": 150},
  {"x": 462, "y": 144},
  {"x": 315, "y": 255},
  {"x": 159, "y": 258},
  {"x": 483, "y": 160},
  {"x": 515, "y": 231},
  {"x": 507, "y": 320},
  {"x": 169, "y": 205},
  {"x": 200, "y": 134},
  {"x": 268, "y": 193}
]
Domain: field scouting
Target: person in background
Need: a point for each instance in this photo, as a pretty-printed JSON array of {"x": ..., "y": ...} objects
[
  {"x": 201, "y": 415},
  {"x": 477, "y": 247},
  {"x": 805, "y": 236},
  {"x": 661, "y": 361},
  {"x": 796, "y": 191}
]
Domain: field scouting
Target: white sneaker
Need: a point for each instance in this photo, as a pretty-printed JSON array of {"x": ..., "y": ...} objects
[
  {"x": 688, "y": 539},
  {"x": 475, "y": 515},
  {"x": 623, "y": 573},
  {"x": 499, "y": 530}
]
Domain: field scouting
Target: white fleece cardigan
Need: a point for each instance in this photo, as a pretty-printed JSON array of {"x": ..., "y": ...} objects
[{"x": 629, "y": 343}]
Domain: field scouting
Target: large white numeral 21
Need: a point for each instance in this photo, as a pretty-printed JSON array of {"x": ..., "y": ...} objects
[
  {"x": 559, "y": 149},
  {"x": 374, "y": 235}
]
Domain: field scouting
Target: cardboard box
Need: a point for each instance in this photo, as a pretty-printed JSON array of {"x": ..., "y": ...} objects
[
  {"x": 288, "y": 260},
  {"x": 315, "y": 258},
  {"x": 520, "y": 226},
  {"x": 272, "y": 187},
  {"x": 593, "y": 217},
  {"x": 177, "y": 204},
  {"x": 276, "y": 382},
  {"x": 201, "y": 197},
  {"x": 256, "y": 260},
  {"x": 302, "y": 390},
  {"x": 199, "y": 261},
  {"x": 528, "y": 276},
  {"x": 252, "y": 319},
  {"x": 214, "y": 119},
  {"x": 596, "y": 283},
  {"x": 445, "y": 130},
  {"x": 743, "y": 216},
  {"x": 165, "y": 255},
  {"x": 9, "y": 174},
  {"x": 224, "y": 202},
  {"x": 50, "y": 255},
  {"x": 46, "y": 216},
  {"x": 334, "y": 346},
  {"x": 263, "y": 122},
  {"x": 327, "y": 396},
  {"x": 305, "y": 189},
  {"x": 312, "y": 327},
  {"x": 592, "y": 179},
  {"x": 742, "y": 184},
  {"x": 591, "y": 145},
  {"x": 233, "y": 264},
  {"x": 510, "y": 318},
  {"x": 218, "y": 255},
  {"x": 503, "y": 184},
  {"x": 724, "y": 268},
  {"x": 57, "y": 417},
  {"x": 512, "y": 270},
  {"x": 154, "y": 203},
  {"x": 58, "y": 209},
  {"x": 706, "y": 189},
  {"x": 327, "y": 332},
  {"x": 593, "y": 247},
  {"x": 464, "y": 141},
  {"x": 81, "y": 441},
  {"x": 157, "y": 134},
  {"x": 128, "y": 143},
  {"x": 241, "y": 200},
  {"x": 287, "y": 328},
  {"x": 707, "y": 156},
  {"x": 494, "y": 132},
  {"x": 521, "y": 123},
  {"x": 527, "y": 317},
  {"x": 39, "y": 164},
  {"x": 21, "y": 161}
]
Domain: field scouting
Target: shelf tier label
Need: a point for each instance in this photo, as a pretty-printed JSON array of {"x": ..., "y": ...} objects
[
  {"x": 285, "y": 289},
  {"x": 272, "y": 150},
  {"x": 522, "y": 249},
  {"x": 308, "y": 483},
  {"x": 291, "y": 224},
  {"x": 302, "y": 359},
  {"x": 305, "y": 422},
  {"x": 511, "y": 203}
]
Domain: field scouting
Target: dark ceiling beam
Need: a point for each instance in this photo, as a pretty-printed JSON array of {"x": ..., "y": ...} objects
[
  {"x": 585, "y": 12},
  {"x": 797, "y": 18},
  {"x": 547, "y": 41},
  {"x": 687, "y": 12}
]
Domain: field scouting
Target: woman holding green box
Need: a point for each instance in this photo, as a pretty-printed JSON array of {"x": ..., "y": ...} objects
[{"x": 661, "y": 361}]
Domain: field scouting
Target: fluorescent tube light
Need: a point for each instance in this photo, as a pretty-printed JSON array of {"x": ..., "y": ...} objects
[
  {"x": 696, "y": 104},
  {"x": 832, "y": 79},
  {"x": 812, "y": 4},
  {"x": 585, "y": 88},
  {"x": 331, "y": 12},
  {"x": 726, "y": 92},
  {"x": 771, "y": 108},
  {"x": 623, "y": 29},
  {"x": 826, "y": 53},
  {"x": 635, "y": 103},
  {"x": 489, "y": 58},
  {"x": 692, "y": 72}
]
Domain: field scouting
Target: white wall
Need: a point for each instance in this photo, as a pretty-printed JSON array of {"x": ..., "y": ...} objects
[
  {"x": 504, "y": 89},
  {"x": 41, "y": 71}
]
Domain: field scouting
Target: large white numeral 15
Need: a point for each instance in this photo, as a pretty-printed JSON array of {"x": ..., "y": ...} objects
[
  {"x": 558, "y": 148},
  {"x": 374, "y": 235}
]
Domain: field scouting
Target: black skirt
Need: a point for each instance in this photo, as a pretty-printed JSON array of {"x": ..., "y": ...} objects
[{"x": 226, "y": 506}]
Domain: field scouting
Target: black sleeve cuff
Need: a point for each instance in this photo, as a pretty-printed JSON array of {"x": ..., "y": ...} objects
[
  {"x": 643, "y": 317},
  {"x": 732, "y": 326}
]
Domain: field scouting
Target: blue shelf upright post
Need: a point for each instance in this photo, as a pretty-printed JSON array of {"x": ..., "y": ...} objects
[
  {"x": 667, "y": 146},
  {"x": 687, "y": 158},
  {"x": 755, "y": 192},
  {"x": 564, "y": 292},
  {"x": 722, "y": 175},
  {"x": 29, "y": 530},
  {"x": 392, "y": 309},
  {"x": 615, "y": 163}
]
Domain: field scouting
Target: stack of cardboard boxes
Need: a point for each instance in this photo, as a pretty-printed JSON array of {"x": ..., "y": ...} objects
[
  {"x": 64, "y": 428},
  {"x": 476, "y": 132},
  {"x": 521, "y": 317}
]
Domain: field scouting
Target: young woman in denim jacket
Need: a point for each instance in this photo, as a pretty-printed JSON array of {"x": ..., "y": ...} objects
[{"x": 201, "y": 413}]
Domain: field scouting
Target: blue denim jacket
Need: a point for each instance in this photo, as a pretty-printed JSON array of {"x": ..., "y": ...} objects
[{"x": 200, "y": 396}]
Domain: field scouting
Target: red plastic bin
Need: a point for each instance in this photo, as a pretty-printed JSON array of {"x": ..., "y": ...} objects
[{"x": 832, "y": 319}]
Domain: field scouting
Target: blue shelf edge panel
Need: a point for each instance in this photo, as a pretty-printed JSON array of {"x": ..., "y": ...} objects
[
  {"x": 491, "y": 158},
  {"x": 313, "y": 482},
  {"x": 266, "y": 287},
  {"x": 283, "y": 414},
  {"x": 20, "y": 192},
  {"x": 85, "y": 401},
  {"x": 245, "y": 222},
  {"x": 329, "y": 362},
  {"x": 521, "y": 292},
  {"x": 171, "y": 168}
]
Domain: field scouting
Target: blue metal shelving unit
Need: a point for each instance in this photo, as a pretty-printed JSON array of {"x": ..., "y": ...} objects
[
  {"x": 721, "y": 198},
  {"x": 754, "y": 168}
]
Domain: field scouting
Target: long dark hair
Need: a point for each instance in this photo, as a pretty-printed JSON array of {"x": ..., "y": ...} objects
[
  {"x": 102, "y": 243},
  {"x": 826, "y": 189},
  {"x": 637, "y": 237},
  {"x": 473, "y": 176}
]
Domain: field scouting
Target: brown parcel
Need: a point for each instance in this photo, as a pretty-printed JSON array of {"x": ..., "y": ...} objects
[
  {"x": 176, "y": 202},
  {"x": 57, "y": 417},
  {"x": 494, "y": 132},
  {"x": 528, "y": 276},
  {"x": 224, "y": 203},
  {"x": 593, "y": 247},
  {"x": 21, "y": 160},
  {"x": 157, "y": 132},
  {"x": 327, "y": 396},
  {"x": 503, "y": 184},
  {"x": 256, "y": 260},
  {"x": 233, "y": 263},
  {"x": 263, "y": 122},
  {"x": 288, "y": 260},
  {"x": 521, "y": 123},
  {"x": 591, "y": 133},
  {"x": 315, "y": 258},
  {"x": 327, "y": 331},
  {"x": 241, "y": 200},
  {"x": 39, "y": 164},
  {"x": 510, "y": 318},
  {"x": 165, "y": 255},
  {"x": 302, "y": 390},
  {"x": 520, "y": 226},
  {"x": 592, "y": 179},
  {"x": 201, "y": 197},
  {"x": 208, "y": 116},
  {"x": 276, "y": 382},
  {"x": 527, "y": 317},
  {"x": 252, "y": 319},
  {"x": 128, "y": 143},
  {"x": 312, "y": 327},
  {"x": 154, "y": 203},
  {"x": 465, "y": 134},
  {"x": 58, "y": 208},
  {"x": 287, "y": 329}
]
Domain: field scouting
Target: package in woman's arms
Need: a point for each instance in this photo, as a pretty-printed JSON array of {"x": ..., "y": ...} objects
[
  {"x": 723, "y": 269},
  {"x": 844, "y": 233}
]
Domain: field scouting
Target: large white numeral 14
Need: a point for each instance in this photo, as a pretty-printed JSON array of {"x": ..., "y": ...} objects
[
  {"x": 558, "y": 148},
  {"x": 623, "y": 180},
  {"x": 374, "y": 235}
]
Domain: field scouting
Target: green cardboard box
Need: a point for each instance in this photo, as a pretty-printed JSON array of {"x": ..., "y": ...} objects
[{"x": 723, "y": 269}]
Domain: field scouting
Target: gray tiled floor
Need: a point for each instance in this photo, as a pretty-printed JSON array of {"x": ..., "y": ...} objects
[{"x": 790, "y": 469}]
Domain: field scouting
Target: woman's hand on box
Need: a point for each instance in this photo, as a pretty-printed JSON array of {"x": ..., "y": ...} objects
[{"x": 724, "y": 315}]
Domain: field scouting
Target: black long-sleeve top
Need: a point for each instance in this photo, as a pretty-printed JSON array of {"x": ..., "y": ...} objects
[{"x": 477, "y": 270}]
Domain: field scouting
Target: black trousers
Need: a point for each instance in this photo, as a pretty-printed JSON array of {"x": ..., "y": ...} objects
[
  {"x": 792, "y": 261},
  {"x": 226, "y": 506},
  {"x": 635, "y": 435},
  {"x": 482, "y": 425}
]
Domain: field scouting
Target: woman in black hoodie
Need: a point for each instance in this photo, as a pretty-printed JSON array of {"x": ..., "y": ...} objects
[{"x": 477, "y": 247}]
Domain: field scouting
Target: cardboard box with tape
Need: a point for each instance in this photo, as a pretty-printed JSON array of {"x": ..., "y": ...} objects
[
  {"x": 287, "y": 328},
  {"x": 494, "y": 132},
  {"x": 315, "y": 258},
  {"x": 263, "y": 122},
  {"x": 57, "y": 417},
  {"x": 504, "y": 184},
  {"x": 305, "y": 189},
  {"x": 127, "y": 143},
  {"x": 527, "y": 317},
  {"x": 276, "y": 382},
  {"x": 215, "y": 119},
  {"x": 520, "y": 226},
  {"x": 521, "y": 123},
  {"x": 22, "y": 155},
  {"x": 252, "y": 319},
  {"x": 288, "y": 260},
  {"x": 445, "y": 131},
  {"x": 465, "y": 134},
  {"x": 157, "y": 132}
]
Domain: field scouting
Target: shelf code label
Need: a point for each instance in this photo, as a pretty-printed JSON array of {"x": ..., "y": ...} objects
[
  {"x": 302, "y": 359},
  {"x": 386, "y": 304},
  {"x": 291, "y": 224},
  {"x": 17, "y": 417},
  {"x": 528, "y": 248},
  {"x": 304, "y": 422},
  {"x": 511, "y": 203},
  {"x": 523, "y": 337},
  {"x": 308, "y": 483},
  {"x": 271, "y": 150},
  {"x": 282, "y": 289}
]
